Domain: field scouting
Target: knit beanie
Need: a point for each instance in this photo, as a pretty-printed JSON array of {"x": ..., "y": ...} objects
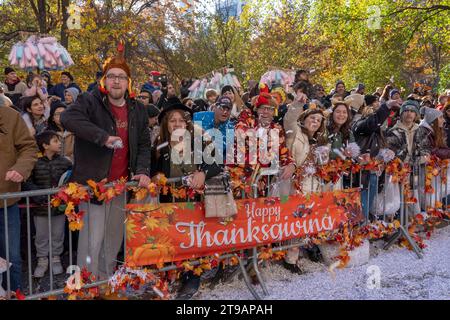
[
  {"x": 117, "y": 61},
  {"x": 68, "y": 74},
  {"x": 431, "y": 114},
  {"x": 47, "y": 74},
  {"x": 369, "y": 99},
  {"x": 73, "y": 92},
  {"x": 8, "y": 70},
  {"x": 410, "y": 105},
  {"x": 393, "y": 91}
]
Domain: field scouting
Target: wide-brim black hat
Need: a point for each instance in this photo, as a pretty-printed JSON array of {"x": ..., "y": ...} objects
[
  {"x": 152, "y": 111},
  {"x": 172, "y": 107}
]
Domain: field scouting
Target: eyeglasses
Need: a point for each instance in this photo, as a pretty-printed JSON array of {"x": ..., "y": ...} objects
[
  {"x": 115, "y": 77},
  {"x": 266, "y": 108},
  {"x": 143, "y": 97}
]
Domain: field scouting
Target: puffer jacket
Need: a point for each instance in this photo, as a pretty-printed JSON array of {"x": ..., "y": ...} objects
[{"x": 45, "y": 175}]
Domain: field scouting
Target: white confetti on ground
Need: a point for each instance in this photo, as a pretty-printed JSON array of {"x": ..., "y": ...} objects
[{"x": 403, "y": 276}]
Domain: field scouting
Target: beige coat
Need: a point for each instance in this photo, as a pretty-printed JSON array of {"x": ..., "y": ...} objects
[
  {"x": 298, "y": 143},
  {"x": 19, "y": 88},
  {"x": 18, "y": 150}
]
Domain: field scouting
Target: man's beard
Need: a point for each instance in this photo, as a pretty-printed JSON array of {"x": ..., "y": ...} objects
[{"x": 116, "y": 94}]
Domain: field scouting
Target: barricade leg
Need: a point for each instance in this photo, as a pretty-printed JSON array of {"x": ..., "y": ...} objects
[
  {"x": 30, "y": 268},
  {"x": 403, "y": 230},
  {"x": 247, "y": 279},
  {"x": 258, "y": 274}
]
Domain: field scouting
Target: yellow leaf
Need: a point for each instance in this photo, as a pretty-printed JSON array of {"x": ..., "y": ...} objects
[
  {"x": 141, "y": 194},
  {"x": 164, "y": 224},
  {"x": 151, "y": 223},
  {"x": 131, "y": 229},
  {"x": 56, "y": 202},
  {"x": 198, "y": 271},
  {"x": 76, "y": 225},
  {"x": 70, "y": 208},
  {"x": 71, "y": 189},
  {"x": 187, "y": 266}
]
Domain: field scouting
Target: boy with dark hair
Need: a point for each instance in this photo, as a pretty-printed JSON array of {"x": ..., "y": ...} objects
[{"x": 47, "y": 174}]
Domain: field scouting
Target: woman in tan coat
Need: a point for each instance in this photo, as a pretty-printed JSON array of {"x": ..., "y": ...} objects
[{"x": 305, "y": 131}]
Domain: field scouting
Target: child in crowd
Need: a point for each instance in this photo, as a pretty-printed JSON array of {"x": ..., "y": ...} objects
[{"x": 47, "y": 174}]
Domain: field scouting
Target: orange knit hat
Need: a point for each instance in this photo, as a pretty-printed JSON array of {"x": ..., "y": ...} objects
[{"x": 117, "y": 61}]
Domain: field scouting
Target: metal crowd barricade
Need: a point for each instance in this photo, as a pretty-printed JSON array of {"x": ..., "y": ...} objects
[{"x": 247, "y": 260}]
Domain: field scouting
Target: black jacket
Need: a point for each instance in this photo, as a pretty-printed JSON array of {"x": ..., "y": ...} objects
[
  {"x": 91, "y": 121},
  {"x": 367, "y": 131},
  {"x": 45, "y": 175},
  {"x": 161, "y": 164}
]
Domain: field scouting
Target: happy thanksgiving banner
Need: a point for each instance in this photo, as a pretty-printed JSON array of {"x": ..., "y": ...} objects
[{"x": 158, "y": 233}]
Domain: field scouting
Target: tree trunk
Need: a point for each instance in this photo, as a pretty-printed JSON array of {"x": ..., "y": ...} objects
[
  {"x": 42, "y": 16},
  {"x": 65, "y": 17}
]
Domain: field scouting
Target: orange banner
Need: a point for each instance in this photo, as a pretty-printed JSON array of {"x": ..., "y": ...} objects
[{"x": 179, "y": 231}]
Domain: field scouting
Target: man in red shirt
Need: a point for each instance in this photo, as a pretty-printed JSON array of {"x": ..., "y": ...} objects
[{"x": 112, "y": 141}]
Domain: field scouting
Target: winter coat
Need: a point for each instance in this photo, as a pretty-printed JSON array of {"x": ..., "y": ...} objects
[
  {"x": 425, "y": 141},
  {"x": 367, "y": 131},
  {"x": 92, "y": 86},
  {"x": 92, "y": 122},
  {"x": 298, "y": 144},
  {"x": 397, "y": 140},
  {"x": 58, "y": 90},
  {"x": 162, "y": 163},
  {"x": 15, "y": 91},
  {"x": 45, "y": 175},
  {"x": 18, "y": 150}
]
